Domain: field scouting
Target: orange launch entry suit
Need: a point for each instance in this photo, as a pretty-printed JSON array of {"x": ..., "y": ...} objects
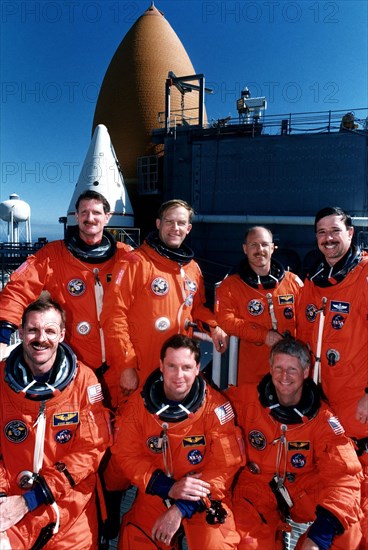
[
  {"x": 71, "y": 282},
  {"x": 151, "y": 297},
  {"x": 318, "y": 463},
  {"x": 76, "y": 436},
  {"x": 344, "y": 351},
  {"x": 206, "y": 442},
  {"x": 242, "y": 310}
]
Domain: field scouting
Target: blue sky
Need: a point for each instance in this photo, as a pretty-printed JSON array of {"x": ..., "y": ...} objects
[{"x": 303, "y": 55}]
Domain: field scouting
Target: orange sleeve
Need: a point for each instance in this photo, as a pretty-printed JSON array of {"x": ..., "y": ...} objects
[
  {"x": 339, "y": 468},
  {"x": 119, "y": 296},
  {"x": 25, "y": 286},
  {"x": 129, "y": 457}
]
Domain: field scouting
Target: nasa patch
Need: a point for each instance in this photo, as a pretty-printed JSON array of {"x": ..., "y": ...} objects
[
  {"x": 255, "y": 307},
  {"x": 288, "y": 313},
  {"x": 154, "y": 443},
  {"x": 311, "y": 312},
  {"x": 76, "y": 287},
  {"x": 298, "y": 460},
  {"x": 83, "y": 328},
  {"x": 337, "y": 322},
  {"x": 64, "y": 436},
  {"x": 64, "y": 419},
  {"x": 195, "y": 456},
  {"x": 160, "y": 286},
  {"x": 16, "y": 431},
  {"x": 257, "y": 440},
  {"x": 339, "y": 307}
]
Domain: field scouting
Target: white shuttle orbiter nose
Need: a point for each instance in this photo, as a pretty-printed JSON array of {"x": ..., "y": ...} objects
[{"x": 101, "y": 173}]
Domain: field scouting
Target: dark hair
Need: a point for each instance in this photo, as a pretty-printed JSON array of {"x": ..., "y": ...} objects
[
  {"x": 251, "y": 229},
  {"x": 333, "y": 211},
  {"x": 44, "y": 303},
  {"x": 295, "y": 348},
  {"x": 181, "y": 341},
  {"x": 93, "y": 195},
  {"x": 172, "y": 204}
]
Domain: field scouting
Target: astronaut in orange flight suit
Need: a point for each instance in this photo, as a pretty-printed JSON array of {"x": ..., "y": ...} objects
[
  {"x": 75, "y": 272},
  {"x": 293, "y": 439},
  {"x": 54, "y": 432},
  {"x": 178, "y": 444},
  {"x": 334, "y": 307},
  {"x": 257, "y": 304},
  {"x": 155, "y": 292}
]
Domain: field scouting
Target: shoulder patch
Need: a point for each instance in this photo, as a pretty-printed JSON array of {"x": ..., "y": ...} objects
[
  {"x": 335, "y": 425},
  {"x": 95, "y": 393},
  {"x": 224, "y": 412}
]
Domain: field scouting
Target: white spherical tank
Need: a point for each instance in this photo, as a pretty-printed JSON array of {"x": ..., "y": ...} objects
[{"x": 15, "y": 208}]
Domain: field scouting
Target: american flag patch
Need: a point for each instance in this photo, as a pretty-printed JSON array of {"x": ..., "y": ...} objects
[
  {"x": 334, "y": 422},
  {"x": 224, "y": 413},
  {"x": 95, "y": 393}
]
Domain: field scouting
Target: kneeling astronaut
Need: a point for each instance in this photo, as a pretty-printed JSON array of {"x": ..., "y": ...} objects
[{"x": 177, "y": 442}]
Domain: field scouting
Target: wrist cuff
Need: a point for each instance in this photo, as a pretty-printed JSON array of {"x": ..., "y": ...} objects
[
  {"x": 34, "y": 498},
  {"x": 188, "y": 507},
  {"x": 5, "y": 334},
  {"x": 160, "y": 484},
  {"x": 324, "y": 528}
]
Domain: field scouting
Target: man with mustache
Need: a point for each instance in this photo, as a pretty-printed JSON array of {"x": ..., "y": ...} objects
[
  {"x": 257, "y": 304},
  {"x": 333, "y": 320},
  {"x": 54, "y": 432},
  {"x": 76, "y": 272}
]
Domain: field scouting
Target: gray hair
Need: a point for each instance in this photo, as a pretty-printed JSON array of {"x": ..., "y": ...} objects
[{"x": 295, "y": 348}]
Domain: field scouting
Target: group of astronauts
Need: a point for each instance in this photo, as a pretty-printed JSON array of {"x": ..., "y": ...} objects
[{"x": 105, "y": 390}]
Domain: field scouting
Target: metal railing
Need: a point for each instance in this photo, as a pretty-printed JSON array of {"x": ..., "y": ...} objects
[{"x": 280, "y": 124}]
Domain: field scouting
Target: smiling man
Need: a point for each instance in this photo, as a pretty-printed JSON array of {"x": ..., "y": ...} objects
[
  {"x": 300, "y": 463},
  {"x": 333, "y": 320},
  {"x": 156, "y": 291},
  {"x": 177, "y": 442},
  {"x": 54, "y": 432},
  {"x": 257, "y": 303},
  {"x": 75, "y": 271}
]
